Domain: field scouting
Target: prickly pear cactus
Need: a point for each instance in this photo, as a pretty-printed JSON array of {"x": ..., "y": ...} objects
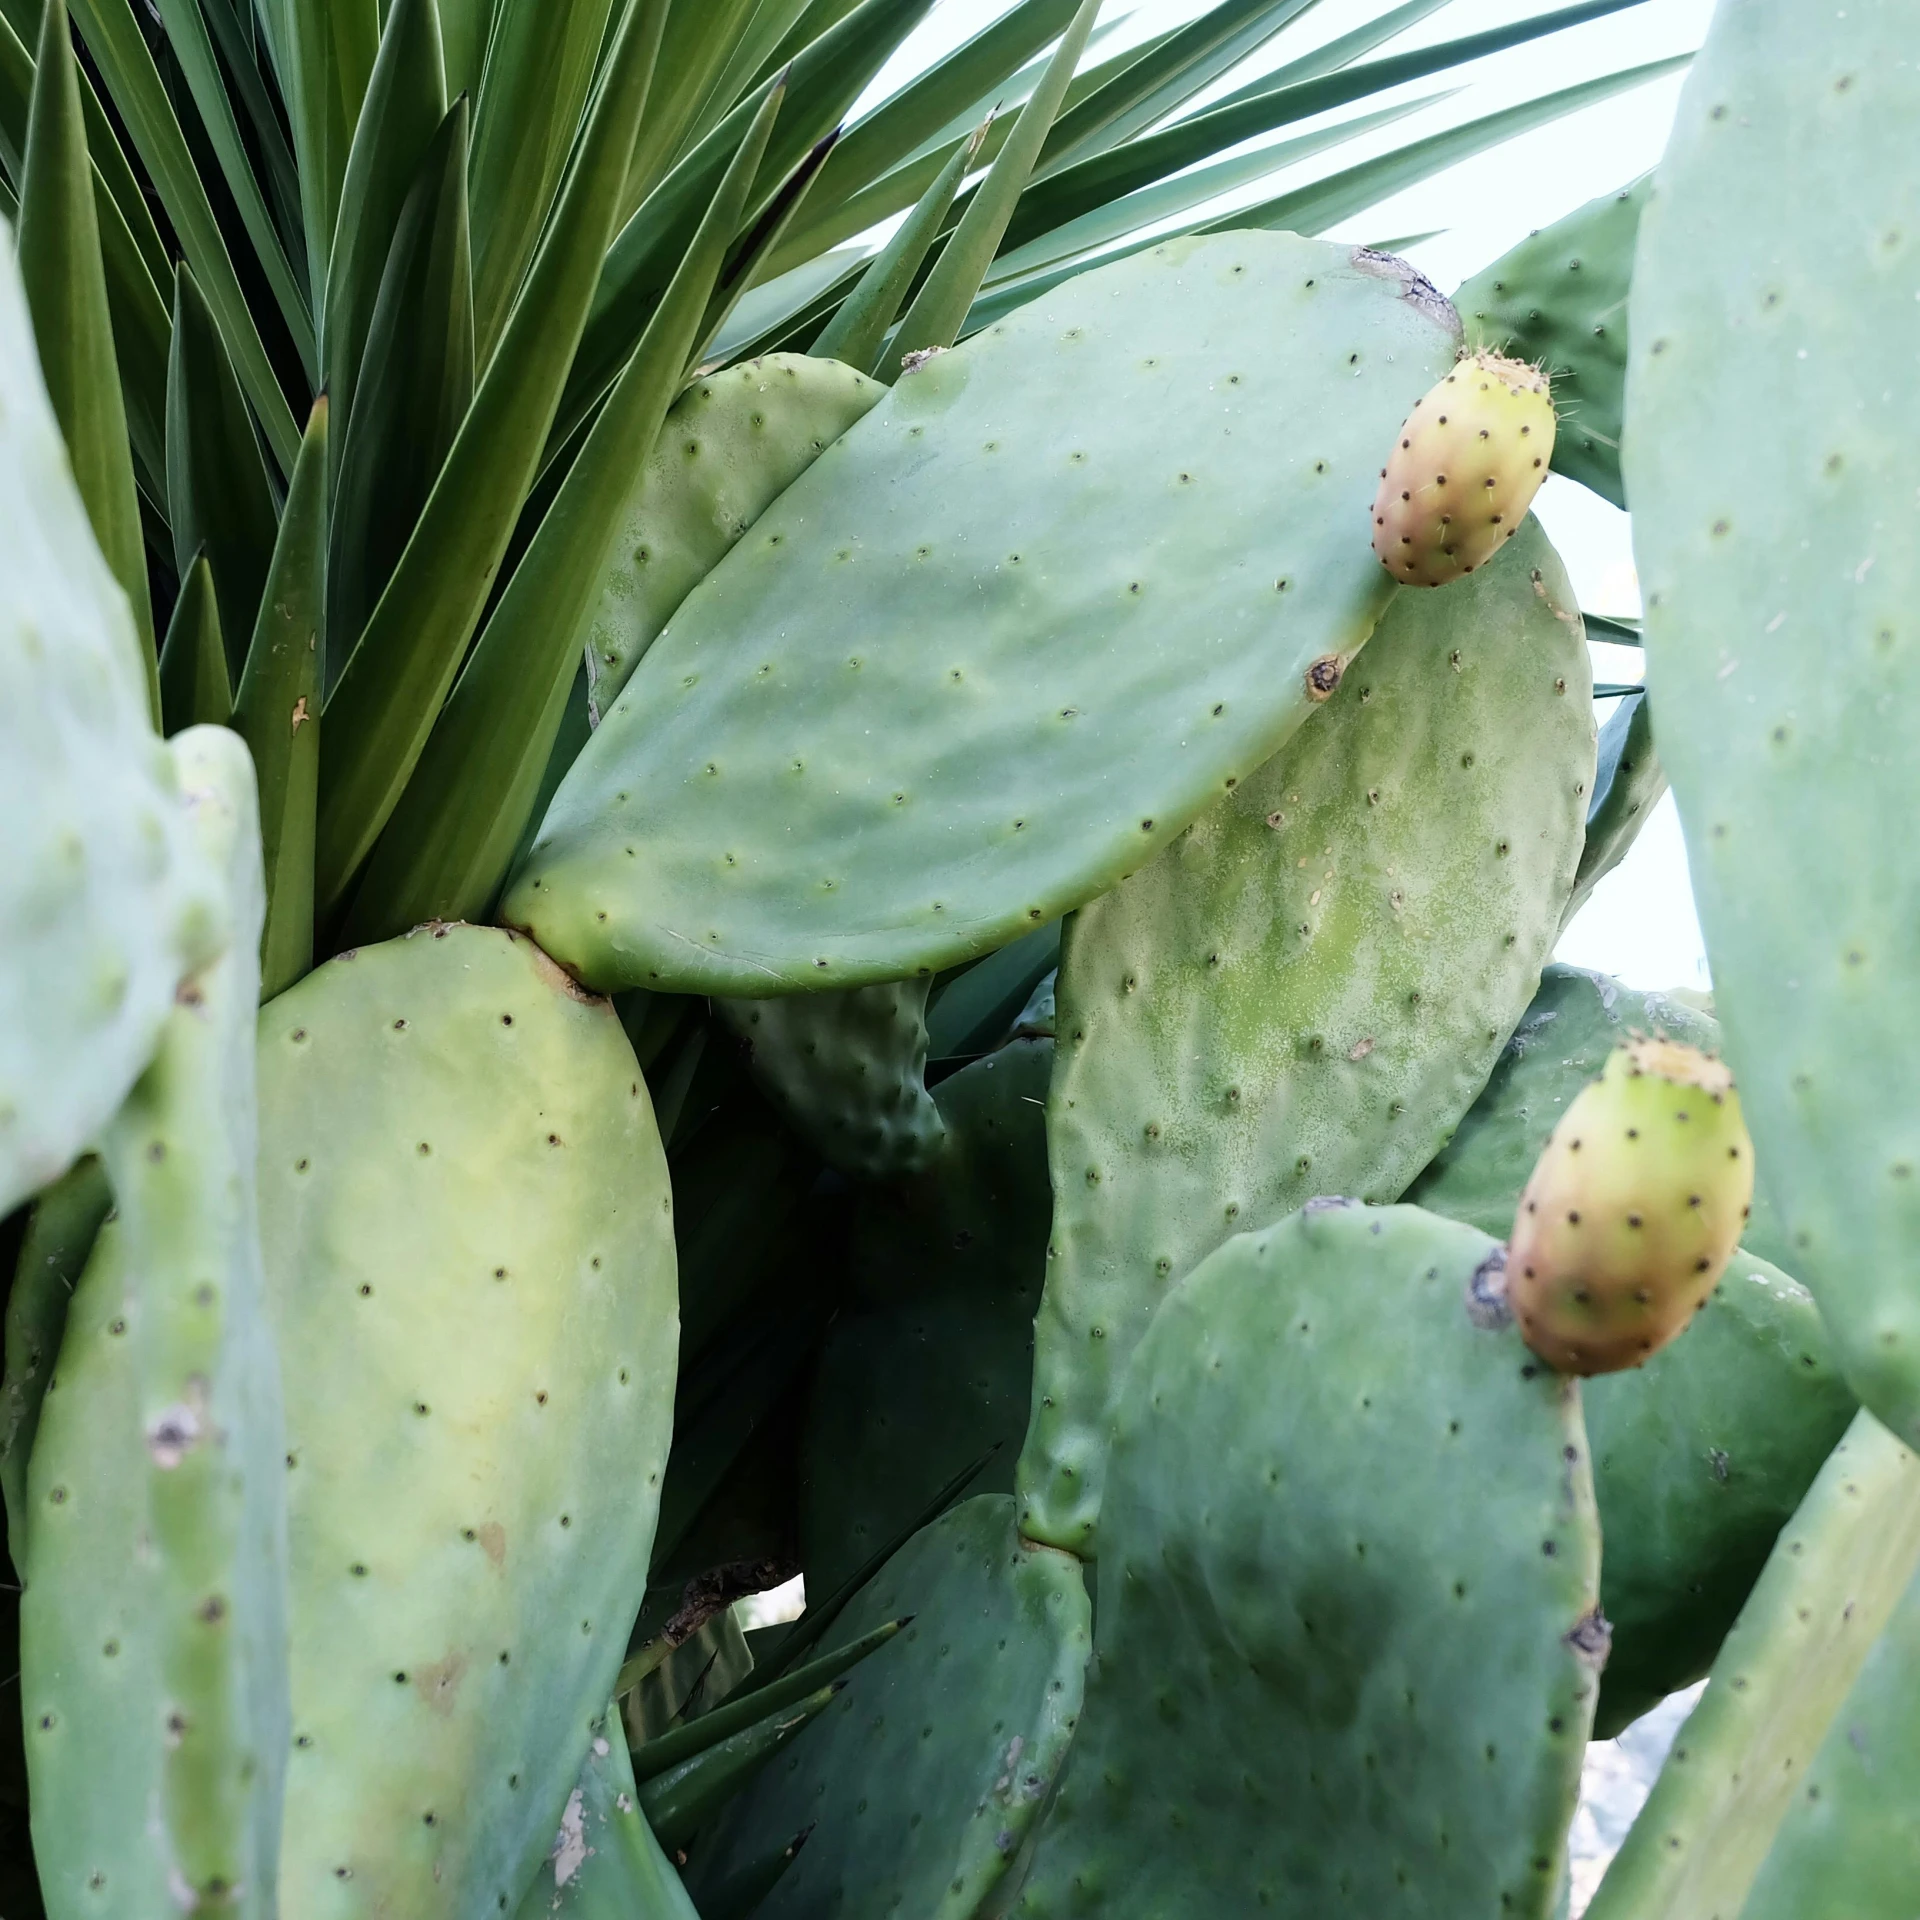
[
  {"x": 153, "y": 1628},
  {"x": 994, "y": 648},
  {"x": 1306, "y": 991},
  {"x": 1851, "y": 1825},
  {"x": 1831, "y": 1583},
  {"x": 105, "y": 903},
  {"x": 1772, "y": 423},
  {"x": 731, "y": 444},
  {"x": 1562, "y": 1042},
  {"x": 1560, "y": 299},
  {"x": 468, "y": 1242},
  {"x": 921, "y": 1778},
  {"x": 1348, "y": 1639},
  {"x": 1464, "y": 470},
  {"x": 1700, "y": 1457},
  {"x": 849, "y": 1072},
  {"x": 1633, "y": 1210},
  {"x": 930, "y": 1366}
]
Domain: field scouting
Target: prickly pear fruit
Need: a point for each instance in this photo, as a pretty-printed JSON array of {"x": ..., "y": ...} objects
[
  {"x": 1470, "y": 458},
  {"x": 1633, "y": 1209}
]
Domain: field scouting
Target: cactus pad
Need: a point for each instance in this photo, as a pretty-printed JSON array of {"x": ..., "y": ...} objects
[
  {"x": 1348, "y": 1641},
  {"x": 1830, "y": 1585},
  {"x": 1061, "y": 588},
  {"x": 467, "y": 1233},
  {"x": 1772, "y": 456},
  {"x": 934, "y": 1367},
  {"x": 1699, "y": 1459},
  {"x": 1306, "y": 991},
  {"x": 731, "y": 443},
  {"x": 105, "y": 903},
  {"x": 1560, "y": 298},
  {"x": 922, "y": 1776}
]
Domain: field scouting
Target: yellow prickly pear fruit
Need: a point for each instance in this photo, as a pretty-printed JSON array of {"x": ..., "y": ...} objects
[
  {"x": 1470, "y": 457},
  {"x": 1632, "y": 1211}
]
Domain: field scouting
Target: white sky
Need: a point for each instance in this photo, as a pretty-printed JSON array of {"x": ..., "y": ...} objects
[{"x": 1640, "y": 922}]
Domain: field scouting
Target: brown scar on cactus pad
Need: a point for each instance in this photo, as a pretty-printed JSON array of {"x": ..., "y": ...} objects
[
  {"x": 1632, "y": 1211},
  {"x": 1464, "y": 470}
]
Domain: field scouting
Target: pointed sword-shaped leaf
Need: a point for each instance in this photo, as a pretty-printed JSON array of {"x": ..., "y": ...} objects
[{"x": 194, "y": 688}]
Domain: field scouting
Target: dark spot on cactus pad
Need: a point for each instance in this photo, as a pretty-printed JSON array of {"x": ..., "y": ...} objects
[
  {"x": 1323, "y": 676},
  {"x": 1488, "y": 1306}
]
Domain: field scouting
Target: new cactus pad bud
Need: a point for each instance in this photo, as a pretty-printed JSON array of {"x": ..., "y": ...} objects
[
  {"x": 1468, "y": 460},
  {"x": 1632, "y": 1211}
]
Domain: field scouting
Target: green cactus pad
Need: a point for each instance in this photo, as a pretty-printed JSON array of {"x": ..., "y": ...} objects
[
  {"x": 848, "y": 1070},
  {"x": 467, "y": 1233},
  {"x": 1773, "y": 452},
  {"x": 154, "y": 1623},
  {"x": 1061, "y": 588},
  {"x": 920, "y": 1779},
  {"x": 1699, "y": 1459},
  {"x": 732, "y": 443},
  {"x": 1830, "y": 1585},
  {"x": 933, "y": 1368},
  {"x": 1562, "y": 1041},
  {"x": 1850, "y": 1837},
  {"x": 1304, "y": 994},
  {"x": 1560, "y": 299},
  {"x": 1348, "y": 1636},
  {"x": 605, "y": 1863},
  {"x": 105, "y": 904}
]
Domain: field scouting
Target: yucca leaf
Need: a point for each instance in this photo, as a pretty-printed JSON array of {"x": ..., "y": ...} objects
[
  {"x": 9, "y": 206},
  {"x": 693, "y": 49},
  {"x": 855, "y": 332},
  {"x": 769, "y": 25},
  {"x": 824, "y": 80},
  {"x": 524, "y": 122},
  {"x": 789, "y": 311},
  {"x": 464, "y": 28},
  {"x": 1136, "y": 212},
  {"x": 200, "y": 67},
  {"x": 940, "y": 307},
  {"x": 818, "y": 17},
  {"x": 1162, "y": 81},
  {"x": 232, "y": 25},
  {"x": 385, "y": 705},
  {"x": 1338, "y": 52},
  {"x": 194, "y": 687},
  {"x": 445, "y": 852},
  {"x": 417, "y": 389},
  {"x": 120, "y": 52},
  {"x": 219, "y": 502},
  {"x": 1079, "y": 187},
  {"x": 66, "y": 287},
  {"x": 405, "y": 105},
  {"x": 1618, "y": 632},
  {"x": 277, "y": 712},
  {"x": 326, "y": 58},
  {"x": 679, "y": 1744}
]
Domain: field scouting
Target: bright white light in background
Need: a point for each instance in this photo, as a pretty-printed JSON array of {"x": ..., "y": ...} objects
[{"x": 1640, "y": 923}]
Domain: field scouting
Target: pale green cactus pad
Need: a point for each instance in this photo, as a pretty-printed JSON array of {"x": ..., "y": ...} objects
[
  {"x": 1831, "y": 1583},
  {"x": 921, "y": 1778},
  {"x": 154, "y": 1627},
  {"x": 731, "y": 444},
  {"x": 1773, "y": 454},
  {"x": 105, "y": 903},
  {"x": 1060, "y": 589},
  {"x": 467, "y": 1233},
  {"x": 1306, "y": 991},
  {"x": 1348, "y": 1635}
]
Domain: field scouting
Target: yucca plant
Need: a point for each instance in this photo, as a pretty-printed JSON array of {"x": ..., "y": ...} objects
[{"x": 458, "y": 392}]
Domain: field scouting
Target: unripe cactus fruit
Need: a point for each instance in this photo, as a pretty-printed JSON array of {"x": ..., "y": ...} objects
[
  {"x": 1632, "y": 1211},
  {"x": 1470, "y": 457}
]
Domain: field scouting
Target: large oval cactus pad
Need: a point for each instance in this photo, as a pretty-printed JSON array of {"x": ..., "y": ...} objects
[
  {"x": 1004, "y": 638},
  {"x": 103, "y": 900},
  {"x": 1772, "y": 455},
  {"x": 1306, "y": 991},
  {"x": 465, "y": 1219},
  {"x": 920, "y": 1779},
  {"x": 1830, "y": 1585},
  {"x": 1348, "y": 1639}
]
